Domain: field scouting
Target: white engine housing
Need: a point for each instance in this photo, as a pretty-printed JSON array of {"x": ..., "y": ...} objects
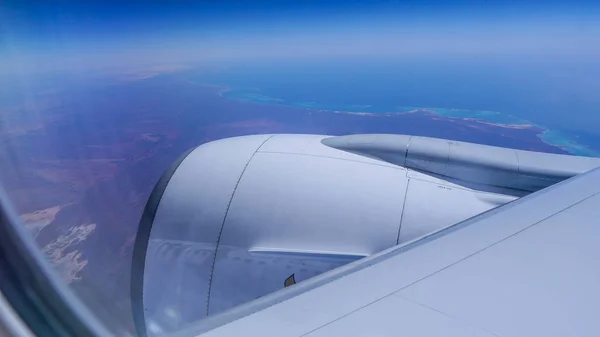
[{"x": 238, "y": 218}]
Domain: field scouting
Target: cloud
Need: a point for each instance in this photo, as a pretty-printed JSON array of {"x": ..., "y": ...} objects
[{"x": 345, "y": 38}]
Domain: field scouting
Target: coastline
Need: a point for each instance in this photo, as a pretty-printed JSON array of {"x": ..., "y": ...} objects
[{"x": 492, "y": 118}]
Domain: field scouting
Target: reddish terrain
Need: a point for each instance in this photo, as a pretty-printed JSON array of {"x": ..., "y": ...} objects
[{"x": 80, "y": 166}]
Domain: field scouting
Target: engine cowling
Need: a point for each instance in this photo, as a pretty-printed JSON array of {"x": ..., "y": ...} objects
[{"x": 239, "y": 218}]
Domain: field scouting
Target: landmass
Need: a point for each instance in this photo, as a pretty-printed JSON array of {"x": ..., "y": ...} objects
[
  {"x": 80, "y": 170},
  {"x": 64, "y": 256},
  {"x": 37, "y": 220},
  {"x": 492, "y": 118}
]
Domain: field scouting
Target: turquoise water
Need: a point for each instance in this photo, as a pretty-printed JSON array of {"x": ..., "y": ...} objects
[
  {"x": 523, "y": 92},
  {"x": 552, "y": 137},
  {"x": 567, "y": 143}
]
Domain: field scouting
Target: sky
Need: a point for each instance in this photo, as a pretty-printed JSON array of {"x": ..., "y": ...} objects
[
  {"x": 528, "y": 57},
  {"x": 68, "y": 35}
]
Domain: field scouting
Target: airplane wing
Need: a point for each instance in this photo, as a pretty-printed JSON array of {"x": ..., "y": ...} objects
[{"x": 527, "y": 268}]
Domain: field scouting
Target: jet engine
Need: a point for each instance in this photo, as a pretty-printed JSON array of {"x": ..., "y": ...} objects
[{"x": 239, "y": 218}]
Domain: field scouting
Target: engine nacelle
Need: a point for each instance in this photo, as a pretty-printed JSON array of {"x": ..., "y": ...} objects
[{"x": 238, "y": 218}]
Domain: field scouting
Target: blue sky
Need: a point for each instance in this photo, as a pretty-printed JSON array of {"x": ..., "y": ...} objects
[
  {"x": 531, "y": 58},
  {"x": 89, "y": 34}
]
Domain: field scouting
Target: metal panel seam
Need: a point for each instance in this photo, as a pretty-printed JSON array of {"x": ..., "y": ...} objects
[
  {"x": 396, "y": 292},
  {"x": 469, "y": 324},
  {"x": 499, "y": 241},
  {"x": 212, "y": 269},
  {"x": 403, "y": 207},
  {"x": 406, "y": 152}
]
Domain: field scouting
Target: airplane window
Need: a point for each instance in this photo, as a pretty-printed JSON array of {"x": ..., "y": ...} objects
[{"x": 165, "y": 165}]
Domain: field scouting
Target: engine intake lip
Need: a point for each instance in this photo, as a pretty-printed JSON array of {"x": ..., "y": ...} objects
[{"x": 140, "y": 246}]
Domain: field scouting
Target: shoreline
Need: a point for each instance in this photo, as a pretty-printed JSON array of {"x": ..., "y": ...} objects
[{"x": 545, "y": 135}]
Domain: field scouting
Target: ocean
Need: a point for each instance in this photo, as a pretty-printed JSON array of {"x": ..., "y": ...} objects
[{"x": 512, "y": 93}]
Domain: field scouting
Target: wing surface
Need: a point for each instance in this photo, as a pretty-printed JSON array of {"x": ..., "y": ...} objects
[{"x": 528, "y": 268}]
